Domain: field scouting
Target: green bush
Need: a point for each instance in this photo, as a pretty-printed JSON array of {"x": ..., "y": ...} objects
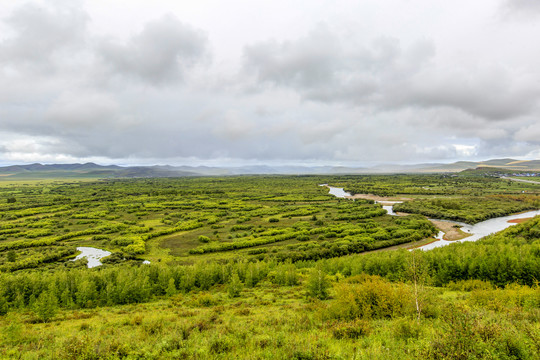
[{"x": 204, "y": 239}]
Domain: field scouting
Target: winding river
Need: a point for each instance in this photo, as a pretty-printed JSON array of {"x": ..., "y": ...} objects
[{"x": 478, "y": 230}]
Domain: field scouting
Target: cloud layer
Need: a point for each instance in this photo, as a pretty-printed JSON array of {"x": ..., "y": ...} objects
[{"x": 182, "y": 86}]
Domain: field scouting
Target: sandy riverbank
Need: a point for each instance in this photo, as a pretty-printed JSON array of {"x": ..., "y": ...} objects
[
  {"x": 381, "y": 199},
  {"x": 451, "y": 230},
  {"x": 519, "y": 221}
]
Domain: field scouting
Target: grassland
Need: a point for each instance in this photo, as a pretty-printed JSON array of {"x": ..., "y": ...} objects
[
  {"x": 261, "y": 267},
  {"x": 188, "y": 220},
  {"x": 279, "y": 322}
]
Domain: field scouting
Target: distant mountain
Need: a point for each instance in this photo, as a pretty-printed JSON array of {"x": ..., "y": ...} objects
[{"x": 91, "y": 170}]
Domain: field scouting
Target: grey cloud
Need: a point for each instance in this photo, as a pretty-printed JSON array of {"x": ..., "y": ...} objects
[
  {"x": 522, "y": 6},
  {"x": 160, "y": 53},
  {"x": 488, "y": 93},
  {"x": 323, "y": 97},
  {"x": 529, "y": 134},
  {"x": 305, "y": 63},
  {"x": 82, "y": 110},
  {"x": 384, "y": 75},
  {"x": 505, "y": 148},
  {"x": 40, "y": 33},
  {"x": 324, "y": 67}
]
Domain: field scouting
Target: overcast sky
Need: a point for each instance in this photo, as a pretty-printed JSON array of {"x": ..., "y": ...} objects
[{"x": 234, "y": 82}]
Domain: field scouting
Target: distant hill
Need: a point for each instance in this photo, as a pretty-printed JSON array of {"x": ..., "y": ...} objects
[
  {"x": 92, "y": 170},
  {"x": 88, "y": 170}
]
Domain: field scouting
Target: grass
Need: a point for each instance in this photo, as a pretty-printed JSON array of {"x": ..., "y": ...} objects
[
  {"x": 267, "y": 322},
  {"x": 61, "y": 310}
]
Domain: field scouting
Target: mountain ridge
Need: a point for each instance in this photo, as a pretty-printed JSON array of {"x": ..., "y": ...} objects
[{"x": 93, "y": 170}]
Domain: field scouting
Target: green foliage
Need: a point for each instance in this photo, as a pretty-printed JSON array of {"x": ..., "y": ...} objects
[
  {"x": 171, "y": 288},
  {"x": 429, "y": 185},
  {"x": 510, "y": 256},
  {"x": 370, "y": 297},
  {"x": 46, "y": 305},
  {"x": 235, "y": 286},
  {"x": 11, "y": 256},
  {"x": 204, "y": 239},
  {"x": 284, "y": 274},
  {"x": 352, "y": 330},
  {"x": 3, "y": 305},
  {"x": 126, "y": 215},
  {"x": 318, "y": 284},
  {"x": 221, "y": 298},
  {"x": 467, "y": 209}
]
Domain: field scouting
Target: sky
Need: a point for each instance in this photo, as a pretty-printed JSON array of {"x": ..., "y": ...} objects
[{"x": 281, "y": 82}]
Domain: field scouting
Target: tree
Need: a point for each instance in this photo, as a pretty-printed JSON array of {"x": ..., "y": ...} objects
[
  {"x": 318, "y": 284},
  {"x": 417, "y": 273},
  {"x": 171, "y": 288},
  {"x": 46, "y": 305},
  {"x": 235, "y": 286}
]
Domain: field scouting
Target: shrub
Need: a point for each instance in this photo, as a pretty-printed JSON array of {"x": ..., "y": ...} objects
[
  {"x": 204, "y": 239},
  {"x": 352, "y": 330},
  {"x": 407, "y": 329},
  {"x": 370, "y": 297}
]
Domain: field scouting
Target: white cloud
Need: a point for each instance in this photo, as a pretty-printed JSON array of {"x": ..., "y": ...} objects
[{"x": 280, "y": 82}]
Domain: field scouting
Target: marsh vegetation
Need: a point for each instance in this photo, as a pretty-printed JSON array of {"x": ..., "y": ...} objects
[{"x": 263, "y": 267}]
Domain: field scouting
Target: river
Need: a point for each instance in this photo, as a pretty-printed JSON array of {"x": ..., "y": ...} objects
[
  {"x": 93, "y": 255},
  {"x": 337, "y": 192},
  {"x": 478, "y": 230},
  {"x": 484, "y": 228}
]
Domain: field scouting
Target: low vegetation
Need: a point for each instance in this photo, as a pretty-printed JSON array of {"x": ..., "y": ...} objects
[{"x": 256, "y": 268}]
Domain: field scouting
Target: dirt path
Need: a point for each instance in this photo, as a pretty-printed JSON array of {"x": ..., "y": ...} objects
[{"x": 521, "y": 180}]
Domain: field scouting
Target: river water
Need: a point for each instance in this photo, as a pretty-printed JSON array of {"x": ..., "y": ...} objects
[
  {"x": 478, "y": 230},
  {"x": 484, "y": 228},
  {"x": 337, "y": 192},
  {"x": 93, "y": 255}
]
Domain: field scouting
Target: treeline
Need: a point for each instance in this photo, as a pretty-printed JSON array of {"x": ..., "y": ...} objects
[
  {"x": 443, "y": 184},
  {"x": 83, "y": 288},
  {"x": 470, "y": 210},
  {"x": 317, "y": 251}
]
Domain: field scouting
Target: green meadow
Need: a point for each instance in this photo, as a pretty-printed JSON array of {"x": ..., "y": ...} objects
[{"x": 266, "y": 267}]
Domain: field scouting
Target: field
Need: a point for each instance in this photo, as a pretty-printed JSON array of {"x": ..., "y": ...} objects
[
  {"x": 188, "y": 220},
  {"x": 265, "y": 267}
]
